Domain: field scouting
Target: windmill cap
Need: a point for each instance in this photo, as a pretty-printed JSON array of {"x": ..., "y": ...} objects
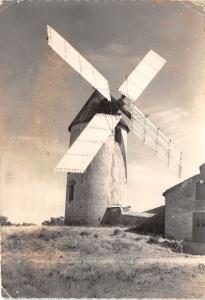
[{"x": 96, "y": 104}]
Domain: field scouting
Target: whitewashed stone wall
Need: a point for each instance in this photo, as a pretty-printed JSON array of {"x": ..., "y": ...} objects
[{"x": 102, "y": 185}]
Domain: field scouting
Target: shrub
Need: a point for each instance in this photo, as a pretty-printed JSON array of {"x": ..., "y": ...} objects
[
  {"x": 116, "y": 232},
  {"x": 4, "y": 221},
  {"x": 153, "y": 240},
  {"x": 28, "y": 224},
  {"x": 138, "y": 239},
  {"x": 59, "y": 221},
  {"x": 176, "y": 246},
  {"x": 84, "y": 233}
]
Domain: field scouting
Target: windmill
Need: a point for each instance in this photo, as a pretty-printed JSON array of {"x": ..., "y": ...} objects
[{"x": 96, "y": 161}]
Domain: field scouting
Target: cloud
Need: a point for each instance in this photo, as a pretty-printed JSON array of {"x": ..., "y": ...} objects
[
  {"x": 117, "y": 48},
  {"x": 171, "y": 115}
]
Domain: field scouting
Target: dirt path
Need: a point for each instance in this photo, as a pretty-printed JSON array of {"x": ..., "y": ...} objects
[
  {"x": 173, "y": 260},
  {"x": 76, "y": 257}
]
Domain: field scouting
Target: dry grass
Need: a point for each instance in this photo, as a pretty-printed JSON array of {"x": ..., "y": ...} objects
[{"x": 95, "y": 262}]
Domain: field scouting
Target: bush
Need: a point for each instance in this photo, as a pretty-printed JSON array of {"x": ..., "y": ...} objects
[
  {"x": 85, "y": 233},
  {"x": 176, "y": 246},
  {"x": 4, "y": 221},
  {"x": 116, "y": 232},
  {"x": 54, "y": 222},
  {"x": 153, "y": 240}
]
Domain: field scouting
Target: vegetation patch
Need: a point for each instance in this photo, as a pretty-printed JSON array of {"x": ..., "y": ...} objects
[{"x": 76, "y": 262}]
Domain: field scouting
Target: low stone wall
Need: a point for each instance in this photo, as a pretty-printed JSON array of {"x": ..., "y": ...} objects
[
  {"x": 194, "y": 248},
  {"x": 117, "y": 216},
  {"x": 151, "y": 221},
  {"x": 111, "y": 216},
  {"x": 155, "y": 224}
]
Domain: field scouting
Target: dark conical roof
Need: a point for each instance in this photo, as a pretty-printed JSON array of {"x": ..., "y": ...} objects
[{"x": 96, "y": 104}]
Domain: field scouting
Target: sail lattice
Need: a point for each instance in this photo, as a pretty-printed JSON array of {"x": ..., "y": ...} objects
[{"x": 154, "y": 139}]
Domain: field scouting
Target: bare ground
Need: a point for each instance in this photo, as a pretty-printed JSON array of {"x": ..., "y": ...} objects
[{"x": 63, "y": 262}]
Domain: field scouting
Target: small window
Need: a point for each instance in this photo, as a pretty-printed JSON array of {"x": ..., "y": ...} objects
[
  {"x": 118, "y": 135},
  {"x": 71, "y": 192}
]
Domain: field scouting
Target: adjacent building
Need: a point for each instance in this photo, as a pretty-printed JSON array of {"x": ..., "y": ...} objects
[{"x": 185, "y": 211}]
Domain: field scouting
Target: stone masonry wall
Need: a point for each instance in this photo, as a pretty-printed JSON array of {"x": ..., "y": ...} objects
[
  {"x": 179, "y": 207},
  {"x": 180, "y": 203},
  {"x": 102, "y": 185},
  {"x": 153, "y": 223}
]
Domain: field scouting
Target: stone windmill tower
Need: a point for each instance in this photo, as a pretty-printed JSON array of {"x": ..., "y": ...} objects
[
  {"x": 103, "y": 184},
  {"x": 96, "y": 161}
]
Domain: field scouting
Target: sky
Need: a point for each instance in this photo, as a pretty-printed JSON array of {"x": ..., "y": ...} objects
[{"x": 40, "y": 94}]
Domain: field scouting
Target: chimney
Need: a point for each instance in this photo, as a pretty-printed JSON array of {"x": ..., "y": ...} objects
[{"x": 202, "y": 171}]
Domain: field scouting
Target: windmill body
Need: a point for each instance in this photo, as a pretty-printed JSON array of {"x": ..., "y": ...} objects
[
  {"x": 104, "y": 183},
  {"x": 96, "y": 161}
]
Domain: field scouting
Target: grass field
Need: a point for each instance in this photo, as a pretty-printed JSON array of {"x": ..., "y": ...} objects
[{"x": 63, "y": 262}]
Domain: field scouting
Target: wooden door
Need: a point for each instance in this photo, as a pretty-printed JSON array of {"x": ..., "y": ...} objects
[{"x": 199, "y": 227}]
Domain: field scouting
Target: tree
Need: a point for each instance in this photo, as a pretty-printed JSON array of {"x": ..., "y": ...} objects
[{"x": 4, "y": 221}]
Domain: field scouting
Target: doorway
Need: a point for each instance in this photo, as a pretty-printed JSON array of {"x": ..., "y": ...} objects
[{"x": 199, "y": 227}]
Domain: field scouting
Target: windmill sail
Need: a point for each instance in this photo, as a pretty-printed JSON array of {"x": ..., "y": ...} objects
[
  {"x": 87, "y": 145},
  {"x": 152, "y": 137},
  {"x": 78, "y": 62},
  {"x": 142, "y": 75}
]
